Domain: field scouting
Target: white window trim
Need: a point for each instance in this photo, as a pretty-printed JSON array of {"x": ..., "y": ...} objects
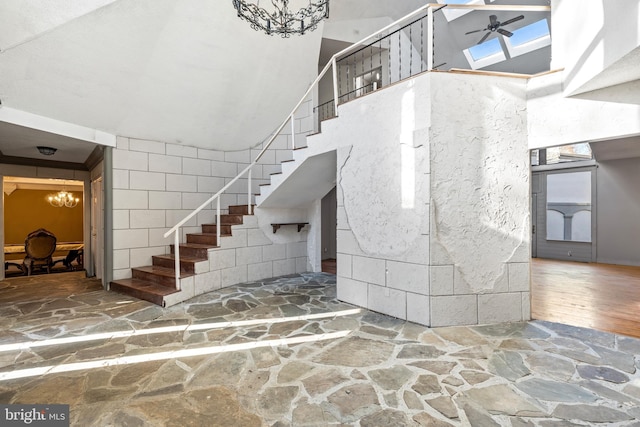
[
  {"x": 452, "y": 14},
  {"x": 527, "y": 47},
  {"x": 486, "y": 61}
]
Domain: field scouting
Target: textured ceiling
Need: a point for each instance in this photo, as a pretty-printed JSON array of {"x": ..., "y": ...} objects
[{"x": 181, "y": 71}]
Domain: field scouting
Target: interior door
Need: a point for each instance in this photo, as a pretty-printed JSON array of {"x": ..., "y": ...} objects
[
  {"x": 534, "y": 224},
  {"x": 97, "y": 229},
  {"x": 566, "y": 214}
]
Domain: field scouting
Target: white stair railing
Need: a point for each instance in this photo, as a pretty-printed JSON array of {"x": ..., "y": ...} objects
[{"x": 176, "y": 230}]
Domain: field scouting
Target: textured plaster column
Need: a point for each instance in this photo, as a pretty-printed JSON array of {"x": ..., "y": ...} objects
[{"x": 480, "y": 241}]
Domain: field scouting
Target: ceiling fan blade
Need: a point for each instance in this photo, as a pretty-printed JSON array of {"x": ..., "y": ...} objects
[
  {"x": 493, "y": 20},
  {"x": 517, "y": 18},
  {"x": 474, "y": 31},
  {"x": 484, "y": 38},
  {"x": 505, "y": 32}
]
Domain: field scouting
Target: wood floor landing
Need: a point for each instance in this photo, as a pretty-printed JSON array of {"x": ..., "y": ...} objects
[{"x": 598, "y": 296}]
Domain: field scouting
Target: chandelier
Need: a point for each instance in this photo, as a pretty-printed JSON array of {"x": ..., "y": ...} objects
[
  {"x": 63, "y": 199},
  {"x": 281, "y": 20}
]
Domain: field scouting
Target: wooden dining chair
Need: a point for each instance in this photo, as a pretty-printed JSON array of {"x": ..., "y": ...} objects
[{"x": 39, "y": 247}]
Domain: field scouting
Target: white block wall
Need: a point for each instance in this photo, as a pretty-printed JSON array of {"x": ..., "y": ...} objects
[
  {"x": 248, "y": 255},
  {"x": 157, "y": 184}
]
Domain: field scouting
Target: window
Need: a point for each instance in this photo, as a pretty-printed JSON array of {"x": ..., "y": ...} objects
[
  {"x": 529, "y": 38},
  {"x": 488, "y": 53},
  {"x": 569, "y": 206},
  {"x": 452, "y": 13},
  {"x": 564, "y": 154}
]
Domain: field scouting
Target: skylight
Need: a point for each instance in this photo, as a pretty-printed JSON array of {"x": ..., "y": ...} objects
[
  {"x": 529, "y": 38},
  {"x": 452, "y": 13},
  {"x": 488, "y": 48},
  {"x": 530, "y": 33},
  {"x": 485, "y": 54}
]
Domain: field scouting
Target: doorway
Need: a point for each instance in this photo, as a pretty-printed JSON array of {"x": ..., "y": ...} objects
[
  {"x": 328, "y": 233},
  {"x": 564, "y": 215},
  {"x": 55, "y": 205},
  {"x": 97, "y": 228}
]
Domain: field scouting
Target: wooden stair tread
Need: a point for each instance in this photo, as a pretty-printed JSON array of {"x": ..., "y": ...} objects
[
  {"x": 144, "y": 285},
  {"x": 161, "y": 271},
  {"x": 196, "y": 245},
  {"x": 154, "y": 282},
  {"x": 182, "y": 258}
]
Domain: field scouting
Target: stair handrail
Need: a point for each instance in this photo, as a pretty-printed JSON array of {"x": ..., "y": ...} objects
[{"x": 290, "y": 118}]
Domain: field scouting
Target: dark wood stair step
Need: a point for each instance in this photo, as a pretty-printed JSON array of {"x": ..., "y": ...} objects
[
  {"x": 231, "y": 219},
  {"x": 240, "y": 209},
  {"x": 142, "y": 289},
  {"x": 195, "y": 250},
  {"x": 160, "y": 275},
  {"x": 225, "y": 229},
  {"x": 203, "y": 238},
  {"x": 187, "y": 263}
]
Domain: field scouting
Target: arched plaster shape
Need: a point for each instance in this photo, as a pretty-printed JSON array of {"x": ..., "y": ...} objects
[
  {"x": 371, "y": 181},
  {"x": 480, "y": 215}
]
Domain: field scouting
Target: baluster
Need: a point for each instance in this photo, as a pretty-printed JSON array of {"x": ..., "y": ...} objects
[
  {"x": 293, "y": 132},
  {"x": 249, "y": 192},
  {"x": 430, "y": 38},
  {"x": 422, "y": 59},
  {"x": 335, "y": 86},
  {"x": 218, "y": 224},
  {"x": 399, "y": 56},
  {"x": 389, "y": 61},
  {"x": 371, "y": 64},
  {"x": 410, "y": 50},
  {"x": 176, "y": 254}
]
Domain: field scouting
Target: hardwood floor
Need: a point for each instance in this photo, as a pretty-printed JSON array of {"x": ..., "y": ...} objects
[
  {"x": 329, "y": 266},
  {"x": 598, "y": 296}
]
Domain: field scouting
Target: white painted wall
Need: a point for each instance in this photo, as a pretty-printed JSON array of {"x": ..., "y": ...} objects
[
  {"x": 556, "y": 120},
  {"x": 591, "y": 37},
  {"x": 618, "y": 201},
  {"x": 156, "y": 184}
]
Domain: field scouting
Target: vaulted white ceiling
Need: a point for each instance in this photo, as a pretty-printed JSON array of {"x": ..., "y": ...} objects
[
  {"x": 184, "y": 71},
  {"x": 181, "y": 71}
]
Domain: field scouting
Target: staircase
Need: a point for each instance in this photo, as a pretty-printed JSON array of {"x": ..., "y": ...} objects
[
  {"x": 156, "y": 283},
  {"x": 309, "y": 176}
]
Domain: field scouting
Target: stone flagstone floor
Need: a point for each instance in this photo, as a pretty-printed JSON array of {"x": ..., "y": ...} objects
[{"x": 285, "y": 352}]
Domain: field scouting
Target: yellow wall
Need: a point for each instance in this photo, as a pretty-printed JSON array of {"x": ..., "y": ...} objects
[{"x": 28, "y": 210}]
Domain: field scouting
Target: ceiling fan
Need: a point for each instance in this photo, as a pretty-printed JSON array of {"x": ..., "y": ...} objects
[{"x": 494, "y": 25}]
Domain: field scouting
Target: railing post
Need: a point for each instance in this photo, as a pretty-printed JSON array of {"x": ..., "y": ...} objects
[
  {"x": 293, "y": 131},
  {"x": 176, "y": 254},
  {"x": 429, "y": 38},
  {"x": 334, "y": 65},
  {"x": 218, "y": 225},
  {"x": 249, "y": 193}
]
